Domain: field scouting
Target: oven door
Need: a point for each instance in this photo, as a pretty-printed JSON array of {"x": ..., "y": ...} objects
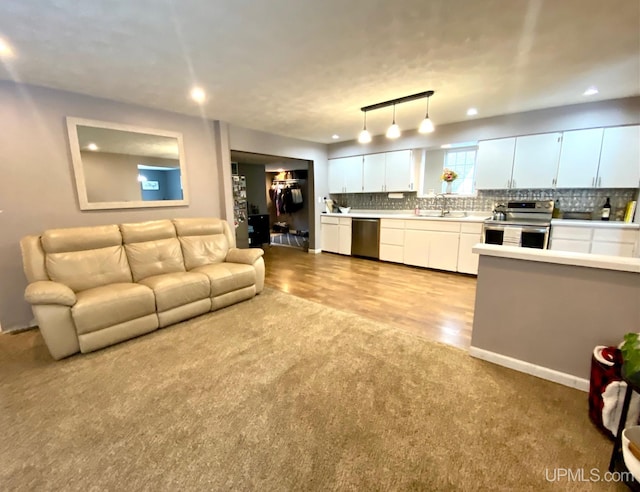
[
  {"x": 535, "y": 237},
  {"x": 532, "y": 237}
]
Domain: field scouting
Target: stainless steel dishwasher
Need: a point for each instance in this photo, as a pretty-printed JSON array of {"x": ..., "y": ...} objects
[{"x": 365, "y": 238}]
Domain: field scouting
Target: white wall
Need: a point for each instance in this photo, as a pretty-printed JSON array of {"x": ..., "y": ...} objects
[
  {"x": 589, "y": 115},
  {"x": 247, "y": 140},
  {"x": 37, "y": 190}
]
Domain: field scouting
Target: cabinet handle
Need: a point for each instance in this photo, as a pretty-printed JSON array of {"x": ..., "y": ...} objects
[
  {"x": 593, "y": 181},
  {"x": 599, "y": 181}
]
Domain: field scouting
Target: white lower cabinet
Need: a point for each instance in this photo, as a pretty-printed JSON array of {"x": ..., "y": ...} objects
[
  {"x": 611, "y": 240},
  {"x": 392, "y": 240},
  {"x": 336, "y": 234},
  {"x": 432, "y": 244},
  {"x": 470, "y": 235}
]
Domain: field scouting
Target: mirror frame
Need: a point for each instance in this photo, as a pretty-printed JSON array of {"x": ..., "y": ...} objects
[{"x": 76, "y": 157}]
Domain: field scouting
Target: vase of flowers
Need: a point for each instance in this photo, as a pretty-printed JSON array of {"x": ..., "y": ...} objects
[{"x": 449, "y": 176}]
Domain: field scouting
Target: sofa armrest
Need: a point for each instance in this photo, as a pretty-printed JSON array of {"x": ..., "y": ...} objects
[
  {"x": 247, "y": 256},
  {"x": 48, "y": 292}
]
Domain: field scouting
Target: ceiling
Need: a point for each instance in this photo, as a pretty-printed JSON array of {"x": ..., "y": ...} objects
[{"x": 304, "y": 68}]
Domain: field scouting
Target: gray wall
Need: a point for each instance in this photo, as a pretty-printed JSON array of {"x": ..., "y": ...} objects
[
  {"x": 37, "y": 189},
  {"x": 552, "y": 315},
  {"x": 256, "y": 195}
]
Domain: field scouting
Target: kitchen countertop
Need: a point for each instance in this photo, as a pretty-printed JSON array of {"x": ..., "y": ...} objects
[
  {"x": 604, "y": 224},
  {"x": 384, "y": 214},
  {"x": 588, "y": 260}
]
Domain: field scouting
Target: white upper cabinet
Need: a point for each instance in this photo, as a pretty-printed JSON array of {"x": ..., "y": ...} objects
[
  {"x": 389, "y": 171},
  {"x": 579, "y": 158},
  {"x": 494, "y": 163},
  {"x": 400, "y": 174},
  {"x": 535, "y": 164},
  {"x": 373, "y": 170},
  {"x": 345, "y": 175},
  {"x": 620, "y": 158}
]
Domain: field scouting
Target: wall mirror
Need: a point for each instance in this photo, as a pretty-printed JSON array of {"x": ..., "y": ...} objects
[
  {"x": 459, "y": 157},
  {"x": 122, "y": 166}
]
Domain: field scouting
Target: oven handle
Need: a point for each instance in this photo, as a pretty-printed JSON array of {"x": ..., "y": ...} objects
[{"x": 501, "y": 227}]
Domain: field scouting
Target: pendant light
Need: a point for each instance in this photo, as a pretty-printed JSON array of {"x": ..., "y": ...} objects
[
  {"x": 365, "y": 136},
  {"x": 394, "y": 130},
  {"x": 426, "y": 126}
]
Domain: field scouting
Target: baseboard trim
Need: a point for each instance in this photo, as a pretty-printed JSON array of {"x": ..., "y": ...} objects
[
  {"x": 532, "y": 369},
  {"x": 314, "y": 251}
]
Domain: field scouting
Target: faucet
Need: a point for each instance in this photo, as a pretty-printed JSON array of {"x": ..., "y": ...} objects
[{"x": 443, "y": 212}]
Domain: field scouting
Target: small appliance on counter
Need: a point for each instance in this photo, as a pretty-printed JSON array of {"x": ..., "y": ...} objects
[{"x": 329, "y": 206}]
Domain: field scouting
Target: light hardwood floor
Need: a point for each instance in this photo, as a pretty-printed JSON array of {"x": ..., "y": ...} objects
[{"x": 437, "y": 305}]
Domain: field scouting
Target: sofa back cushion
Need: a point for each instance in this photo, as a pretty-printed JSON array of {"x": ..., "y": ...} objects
[
  {"x": 204, "y": 241},
  {"x": 85, "y": 257},
  {"x": 152, "y": 248}
]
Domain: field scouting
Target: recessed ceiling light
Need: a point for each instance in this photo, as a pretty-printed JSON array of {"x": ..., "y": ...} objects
[
  {"x": 472, "y": 112},
  {"x": 335, "y": 137},
  {"x": 591, "y": 91},
  {"x": 5, "y": 49},
  {"x": 198, "y": 94},
  {"x": 92, "y": 146}
]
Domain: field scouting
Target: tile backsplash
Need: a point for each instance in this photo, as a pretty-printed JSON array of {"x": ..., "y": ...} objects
[{"x": 570, "y": 200}]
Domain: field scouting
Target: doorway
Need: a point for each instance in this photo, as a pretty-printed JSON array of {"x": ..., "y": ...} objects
[{"x": 272, "y": 200}]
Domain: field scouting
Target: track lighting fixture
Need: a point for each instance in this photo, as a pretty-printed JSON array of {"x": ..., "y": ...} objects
[{"x": 394, "y": 130}]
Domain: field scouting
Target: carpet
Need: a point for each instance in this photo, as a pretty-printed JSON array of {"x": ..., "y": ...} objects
[{"x": 281, "y": 393}]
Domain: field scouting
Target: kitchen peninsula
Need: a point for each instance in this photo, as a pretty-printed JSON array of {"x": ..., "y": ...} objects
[{"x": 542, "y": 311}]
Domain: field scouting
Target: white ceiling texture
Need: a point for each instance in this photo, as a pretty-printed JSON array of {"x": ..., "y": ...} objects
[{"x": 303, "y": 68}]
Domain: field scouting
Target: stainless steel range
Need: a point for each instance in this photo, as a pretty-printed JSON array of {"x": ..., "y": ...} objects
[{"x": 520, "y": 223}]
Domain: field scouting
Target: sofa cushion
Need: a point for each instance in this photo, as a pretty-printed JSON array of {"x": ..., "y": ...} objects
[
  {"x": 109, "y": 305},
  {"x": 177, "y": 289},
  {"x": 204, "y": 241},
  {"x": 82, "y": 270},
  {"x": 227, "y": 277},
  {"x": 154, "y": 258},
  {"x": 203, "y": 250}
]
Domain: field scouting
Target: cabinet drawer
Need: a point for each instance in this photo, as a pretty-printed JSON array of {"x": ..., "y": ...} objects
[
  {"x": 612, "y": 249},
  {"x": 576, "y": 233},
  {"x": 392, "y": 236},
  {"x": 432, "y": 225},
  {"x": 344, "y": 221},
  {"x": 330, "y": 220},
  {"x": 474, "y": 228},
  {"x": 571, "y": 245},
  {"x": 619, "y": 235},
  {"x": 391, "y": 224}
]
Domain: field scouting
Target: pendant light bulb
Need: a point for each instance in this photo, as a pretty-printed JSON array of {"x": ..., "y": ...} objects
[
  {"x": 394, "y": 130},
  {"x": 365, "y": 136},
  {"x": 426, "y": 126}
]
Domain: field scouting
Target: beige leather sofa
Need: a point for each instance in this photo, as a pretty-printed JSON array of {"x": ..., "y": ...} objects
[{"x": 91, "y": 287}]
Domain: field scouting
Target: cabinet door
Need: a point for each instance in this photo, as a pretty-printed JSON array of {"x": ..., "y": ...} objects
[
  {"x": 344, "y": 241},
  {"x": 494, "y": 163},
  {"x": 373, "y": 172},
  {"x": 612, "y": 249},
  {"x": 620, "y": 158},
  {"x": 467, "y": 259},
  {"x": 571, "y": 245},
  {"x": 353, "y": 174},
  {"x": 579, "y": 157},
  {"x": 336, "y": 175},
  {"x": 392, "y": 252},
  {"x": 399, "y": 171},
  {"x": 443, "y": 250},
  {"x": 330, "y": 238},
  {"x": 416, "y": 248},
  {"x": 535, "y": 164}
]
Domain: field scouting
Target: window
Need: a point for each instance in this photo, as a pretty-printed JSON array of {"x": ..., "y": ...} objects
[{"x": 463, "y": 162}]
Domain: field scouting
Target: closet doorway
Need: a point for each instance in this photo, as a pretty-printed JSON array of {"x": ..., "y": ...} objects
[{"x": 271, "y": 200}]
